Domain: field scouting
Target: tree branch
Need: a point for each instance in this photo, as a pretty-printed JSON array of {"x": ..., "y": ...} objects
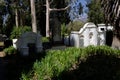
[
  {"x": 61, "y": 9},
  {"x": 51, "y": 2}
]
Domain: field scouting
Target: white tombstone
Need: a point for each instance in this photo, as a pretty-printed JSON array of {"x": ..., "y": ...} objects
[
  {"x": 102, "y": 34},
  {"x": 102, "y": 29},
  {"x": 29, "y": 38}
]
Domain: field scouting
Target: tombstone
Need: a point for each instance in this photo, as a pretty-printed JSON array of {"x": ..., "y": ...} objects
[
  {"x": 102, "y": 34},
  {"x": 85, "y": 36},
  {"x": 103, "y": 29},
  {"x": 28, "y": 43},
  {"x": 74, "y": 39},
  {"x": 56, "y": 29},
  {"x": 66, "y": 40}
]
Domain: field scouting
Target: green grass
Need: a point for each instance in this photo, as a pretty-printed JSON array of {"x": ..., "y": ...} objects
[{"x": 57, "y": 61}]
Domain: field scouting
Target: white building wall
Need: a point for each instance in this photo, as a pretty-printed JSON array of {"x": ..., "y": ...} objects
[
  {"x": 86, "y": 37},
  {"x": 102, "y": 34},
  {"x": 74, "y": 39},
  {"x": 94, "y": 37},
  {"x": 90, "y": 34}
]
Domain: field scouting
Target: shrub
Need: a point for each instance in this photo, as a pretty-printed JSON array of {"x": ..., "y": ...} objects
[
  {"x": 63, "y": 29},
  {"x": 45, "y": 39},
  {"x": 57, "y": 61},
  {"x": 16, "y": 32},
  {"x": 74, "y": 26},
  {"x": 10, "y": 50}
]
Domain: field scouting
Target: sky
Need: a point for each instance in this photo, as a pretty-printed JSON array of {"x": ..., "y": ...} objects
[{"x": 74, "y": 11}]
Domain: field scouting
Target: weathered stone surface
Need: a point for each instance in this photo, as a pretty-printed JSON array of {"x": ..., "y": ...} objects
[{"x": 27, "y": 41}]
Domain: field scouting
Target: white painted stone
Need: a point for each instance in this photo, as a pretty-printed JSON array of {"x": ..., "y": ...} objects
[
  {"x": 90, "y": 34},
  {"x": 102, "y": 34},
  {"x": 74, "y": 39},
  {"x": 14, "y": 43},
  {"x": 86, "y": 36}
]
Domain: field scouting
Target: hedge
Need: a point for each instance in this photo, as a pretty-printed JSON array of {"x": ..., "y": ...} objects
[{"x": 57, "y": 61}]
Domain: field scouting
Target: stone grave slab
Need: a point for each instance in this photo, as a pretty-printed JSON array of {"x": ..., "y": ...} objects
[{"x": 29, "y": 42}]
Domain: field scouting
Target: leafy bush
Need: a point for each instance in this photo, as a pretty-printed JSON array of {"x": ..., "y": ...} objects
[
  {"x": 74, "y": 26},
  {"x": 45, "y": 39},
  {"x": 57, "y": 61},
  {"x": 10, "y": 50},
  {"x": 16, "y": 32},
  {"x": 63, "y": 29}
]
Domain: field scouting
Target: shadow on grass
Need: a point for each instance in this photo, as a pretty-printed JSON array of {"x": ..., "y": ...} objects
[
  {"x": 17, "y": 64},
  {"x": 97, "y": 67}
]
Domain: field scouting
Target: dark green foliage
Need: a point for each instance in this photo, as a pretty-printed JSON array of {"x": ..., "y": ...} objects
[
  {"x": 16, "y": 33},
  {"x": 100, "y": 63},
  {"x": 45, "y": 39},
  {"x": 57, "y": 62},
  {"x": 24, "y": 14},
  {"x": 74, "y": 26},
  {"x": 95, "y": 13},
  {"x": 10, "y": 50},
  {"x": 2, "y": 13},
  {"x": 63, "y": 29},
  {"x": 61, "y": 15}
]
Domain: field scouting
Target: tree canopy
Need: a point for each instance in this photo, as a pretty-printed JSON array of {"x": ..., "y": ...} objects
[
  {"x": 95, "y": 13},
  {"x": 112, "y": 12},
  {"x": 24, "y": 15}
]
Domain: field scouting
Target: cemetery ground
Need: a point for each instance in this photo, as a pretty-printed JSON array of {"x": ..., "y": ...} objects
[
  {"x": 96, "y": 67},
  {"x": 12, "y": 66},
  {"x": 94, "y": 63}
]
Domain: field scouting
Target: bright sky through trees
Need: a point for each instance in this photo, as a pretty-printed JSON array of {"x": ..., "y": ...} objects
[{"x": 74, "y": 11}]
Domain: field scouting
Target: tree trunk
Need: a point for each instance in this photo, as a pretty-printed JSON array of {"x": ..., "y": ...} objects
[
  {"x": 33, "y": 15},
  {"x": 48, "y": 10},
  {"x": 21, "y": 18},
  {"x": 112, "y": 15},
  {"x": 16, "y": 17},
  {"x": 47, "y": 18}
]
